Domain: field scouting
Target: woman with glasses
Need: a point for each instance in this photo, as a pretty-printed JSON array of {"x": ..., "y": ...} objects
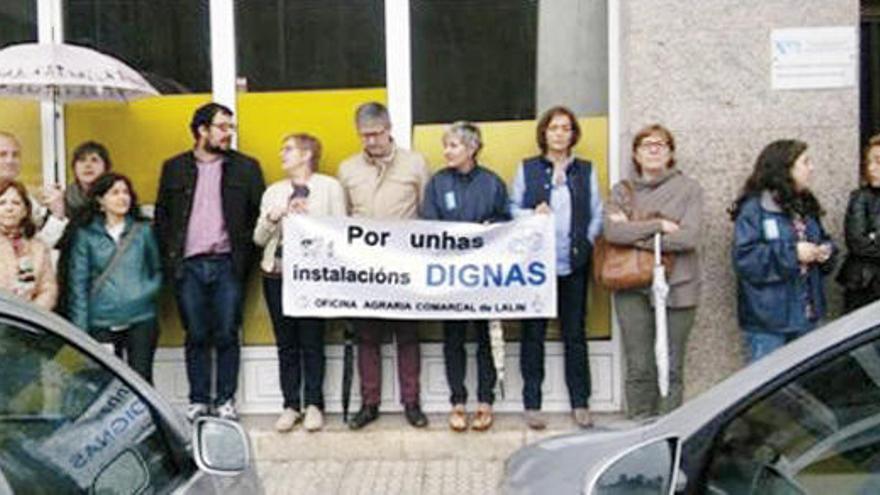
[
  {"x": 300, "y": 340},
  {"x": 659, "y": 199}
]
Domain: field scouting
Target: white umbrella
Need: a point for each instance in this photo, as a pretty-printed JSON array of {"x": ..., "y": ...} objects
[
  {"x": 660, "y": 291},
  {"x": 496, "y": 342},
  {"x": 59, "y": 72}
]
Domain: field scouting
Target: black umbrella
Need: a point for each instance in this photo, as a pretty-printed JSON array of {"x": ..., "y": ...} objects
[{"x": 347, "y": 367}]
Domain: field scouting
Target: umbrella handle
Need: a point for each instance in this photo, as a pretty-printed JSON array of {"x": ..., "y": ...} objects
[
  {"x": 657, "y": 253},
  {"x": 348, "y": 330}
]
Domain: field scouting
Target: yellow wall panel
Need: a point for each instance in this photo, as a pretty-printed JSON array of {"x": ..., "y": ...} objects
[
  {"x": 265, "y": 118},
  {"x": 22, "y": 119},
  {"x": 140, "y": 135}
]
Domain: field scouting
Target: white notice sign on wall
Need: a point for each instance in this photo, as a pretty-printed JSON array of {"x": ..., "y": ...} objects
[{"x": 812, "y": 58}]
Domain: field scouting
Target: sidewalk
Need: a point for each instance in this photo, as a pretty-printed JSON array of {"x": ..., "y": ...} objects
[{"x": 390, "y": 457}]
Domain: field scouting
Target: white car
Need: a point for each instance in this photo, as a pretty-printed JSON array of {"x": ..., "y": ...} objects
[
  {"x": 75, "y": 419},
  {"x": 803, "y": 420}
]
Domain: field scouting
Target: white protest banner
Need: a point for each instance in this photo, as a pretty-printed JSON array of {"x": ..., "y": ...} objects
[{"x": 415, "y": 269}]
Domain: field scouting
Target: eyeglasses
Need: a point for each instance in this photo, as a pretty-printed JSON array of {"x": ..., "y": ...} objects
[
  {"x": 225, "y": 126},
  {"x": 373, "y": 134},
  {"x": 654, "y": 145}
]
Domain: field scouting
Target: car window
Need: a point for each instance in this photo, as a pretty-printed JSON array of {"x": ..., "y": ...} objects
[
  {"x": 817, "y": 434},
  {"x": 70, "y": 425}
]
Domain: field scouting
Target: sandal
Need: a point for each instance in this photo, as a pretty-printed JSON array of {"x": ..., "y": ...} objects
[
  {"x": 458, "y": 420},
  {"x": 483, "y": 419}
]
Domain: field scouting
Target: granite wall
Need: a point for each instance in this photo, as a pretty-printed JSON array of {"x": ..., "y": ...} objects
[{"x": 703, "y": 70}]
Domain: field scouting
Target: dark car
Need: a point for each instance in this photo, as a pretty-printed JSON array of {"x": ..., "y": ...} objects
[
  {"x": 75, "y": 419},
  {"x": 803, "y": 420}
]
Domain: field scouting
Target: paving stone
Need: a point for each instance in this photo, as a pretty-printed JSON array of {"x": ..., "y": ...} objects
[{"x": 390, "y": 457}]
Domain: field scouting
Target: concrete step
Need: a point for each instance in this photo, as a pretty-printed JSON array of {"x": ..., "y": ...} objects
[{"x": 392, "y": 439}]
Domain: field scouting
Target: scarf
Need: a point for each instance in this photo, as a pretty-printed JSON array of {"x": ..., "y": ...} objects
[
  {"x": 76, "y": 201},
  {"x": 25, "y": 282}
]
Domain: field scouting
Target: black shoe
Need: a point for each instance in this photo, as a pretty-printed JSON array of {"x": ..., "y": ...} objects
[
  {"x": 365, "y": 416},
  {"x": 415, "y": 416}
]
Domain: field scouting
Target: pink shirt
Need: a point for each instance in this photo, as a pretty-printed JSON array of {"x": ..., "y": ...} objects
[{"x": 206, "y": 232}]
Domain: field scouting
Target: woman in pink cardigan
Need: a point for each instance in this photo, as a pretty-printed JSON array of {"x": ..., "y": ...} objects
[{"x": 25, "y": 263}]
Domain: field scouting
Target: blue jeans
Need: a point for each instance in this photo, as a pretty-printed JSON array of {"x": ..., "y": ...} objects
[
  {"x": 455, "y": 357},
  {"x": 571, "y": 304},
  {"x": 209, "y": 299},
  {"x": 759, "y": 344}
]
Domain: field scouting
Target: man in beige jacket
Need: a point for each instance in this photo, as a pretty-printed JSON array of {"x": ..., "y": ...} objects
[{"x": 384, "y": 181}]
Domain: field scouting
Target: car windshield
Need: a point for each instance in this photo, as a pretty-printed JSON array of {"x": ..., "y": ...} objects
[{"x": 69, "y": 425}]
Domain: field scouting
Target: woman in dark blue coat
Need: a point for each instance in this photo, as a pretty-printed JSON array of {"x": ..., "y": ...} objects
[
  {"x": 114, "y": 274},
  {"x": 465, "y": 191},
  {"x": 781, "y": 252}
]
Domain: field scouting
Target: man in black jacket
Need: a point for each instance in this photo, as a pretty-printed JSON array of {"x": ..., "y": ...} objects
[{"x": 206, "y": 210}]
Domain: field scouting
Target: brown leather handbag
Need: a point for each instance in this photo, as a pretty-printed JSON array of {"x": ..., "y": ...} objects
[{"x": 617, "y": 266}]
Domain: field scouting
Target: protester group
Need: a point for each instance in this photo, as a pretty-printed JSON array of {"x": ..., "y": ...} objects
[{"x": 214, "y": 219}]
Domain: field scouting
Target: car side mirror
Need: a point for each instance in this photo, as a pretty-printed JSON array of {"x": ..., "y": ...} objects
[
  {"x": 646, "y": 468},
  {"x": 220, "y": 446}
]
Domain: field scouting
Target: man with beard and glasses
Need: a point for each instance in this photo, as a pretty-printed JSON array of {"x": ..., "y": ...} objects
[{"x": 206, "y": 211}]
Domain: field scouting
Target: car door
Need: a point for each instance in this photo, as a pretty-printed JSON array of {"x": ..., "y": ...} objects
[
  {"x": 813, "y": 430},
  {"x": 71, "y": 424}
]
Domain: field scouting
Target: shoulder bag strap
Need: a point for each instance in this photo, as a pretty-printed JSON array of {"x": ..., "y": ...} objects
[{"x": 114, "y": 261}]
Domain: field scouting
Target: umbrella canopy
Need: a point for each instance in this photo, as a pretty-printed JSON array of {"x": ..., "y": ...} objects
[{"x": 62, "y": 72}]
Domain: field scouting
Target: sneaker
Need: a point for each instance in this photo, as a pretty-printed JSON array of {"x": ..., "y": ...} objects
[
  {"x": 582, "y": 417},
  {"x": 288, "y": 419},
  {"x": 227, "y": 411},
  {"x": 314, "y": 420},
  {"x": 197, "y": 410},
  {"x": 534, "y": 420}
]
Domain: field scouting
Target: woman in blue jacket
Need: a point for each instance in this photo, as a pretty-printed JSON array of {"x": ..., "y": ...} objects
[
  {"x": 466, "y": 191},
  {"x": 781, "y": 252},
  {"x": 114, "y": 274}
]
